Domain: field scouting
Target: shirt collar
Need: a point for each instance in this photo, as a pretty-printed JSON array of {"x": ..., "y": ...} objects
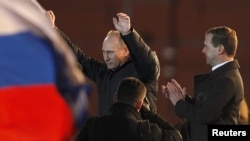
[{"x": 219, "y": 65}]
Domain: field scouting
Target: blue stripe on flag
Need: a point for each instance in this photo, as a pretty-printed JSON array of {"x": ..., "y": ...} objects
[{"x": 24, "y": 59}]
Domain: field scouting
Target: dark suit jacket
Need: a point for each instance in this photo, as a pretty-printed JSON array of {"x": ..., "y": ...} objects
[{"x": 216, "y": 100}]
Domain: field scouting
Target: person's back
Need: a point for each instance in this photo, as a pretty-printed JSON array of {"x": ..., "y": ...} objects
[
  {"x": 123, "y": 125},
  {"x": 125, "y": 121},
  {"x": 114, "y": 128}
]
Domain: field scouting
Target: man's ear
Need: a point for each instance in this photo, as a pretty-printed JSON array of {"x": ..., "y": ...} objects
[
  {"x": 138, "y": 105},
  {"x": 126, "y": 51},
  {"x": 221, "y": 49}
]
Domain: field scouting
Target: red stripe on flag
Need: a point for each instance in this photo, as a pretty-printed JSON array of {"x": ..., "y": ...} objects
[{"x": 36, "y": 112}]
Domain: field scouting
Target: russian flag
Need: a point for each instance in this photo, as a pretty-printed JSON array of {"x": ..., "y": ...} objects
[{"x": 37, "y": 74}]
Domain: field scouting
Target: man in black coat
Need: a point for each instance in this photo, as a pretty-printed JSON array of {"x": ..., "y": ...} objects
[
  {"x": 218, "y": 94},
  {"x": 125, "y": 55},
  {"x": 125, "y": 122}
]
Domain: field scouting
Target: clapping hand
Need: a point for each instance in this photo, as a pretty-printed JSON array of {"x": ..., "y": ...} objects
[{"x": 173, "y": 91}]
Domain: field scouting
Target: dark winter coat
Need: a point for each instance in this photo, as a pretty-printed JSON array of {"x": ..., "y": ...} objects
[
  {"x": 143, "y": 65},
  {"x": 126, "y": 124}
]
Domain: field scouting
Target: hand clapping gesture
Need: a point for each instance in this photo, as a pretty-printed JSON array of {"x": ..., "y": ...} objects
[{"x": 173, "y": 91}]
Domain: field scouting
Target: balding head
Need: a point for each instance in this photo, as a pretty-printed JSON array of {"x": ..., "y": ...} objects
[{"x": 115, "y": 51}]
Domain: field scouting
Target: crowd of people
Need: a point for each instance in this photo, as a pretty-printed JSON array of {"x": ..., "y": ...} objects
[{"x": 44, "y": 92}]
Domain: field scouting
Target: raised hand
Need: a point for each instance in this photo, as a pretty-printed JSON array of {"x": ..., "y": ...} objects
[{"x": 122, "y": 23}]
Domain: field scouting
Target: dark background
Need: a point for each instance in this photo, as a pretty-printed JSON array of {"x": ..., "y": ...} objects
[{"x": 173, "y": 28}]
